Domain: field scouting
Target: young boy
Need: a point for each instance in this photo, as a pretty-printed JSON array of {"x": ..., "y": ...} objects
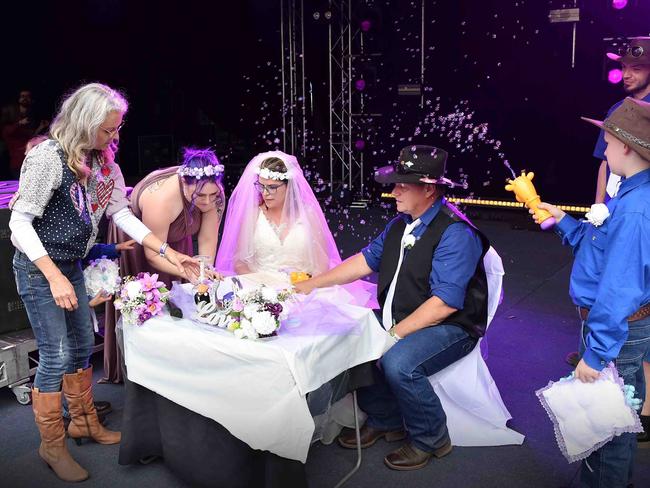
[{"x": 610, "y": 279}]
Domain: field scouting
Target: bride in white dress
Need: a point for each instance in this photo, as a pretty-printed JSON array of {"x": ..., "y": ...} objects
[{"x": 274, "y": 222}]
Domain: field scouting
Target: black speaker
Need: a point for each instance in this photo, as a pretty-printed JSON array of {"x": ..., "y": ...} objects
[{"x": 12, "y": 310}]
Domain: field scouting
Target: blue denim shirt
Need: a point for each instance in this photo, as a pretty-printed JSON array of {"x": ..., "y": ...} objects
[
  {"x": 454, "y": 260},
  {"x": 611, "y": 271}
]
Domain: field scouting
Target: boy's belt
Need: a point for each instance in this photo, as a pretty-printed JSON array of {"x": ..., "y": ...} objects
[{"x": 642, "y": 313}]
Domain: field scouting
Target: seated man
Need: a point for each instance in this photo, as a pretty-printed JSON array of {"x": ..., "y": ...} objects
[{"x": 433, "y": 293}]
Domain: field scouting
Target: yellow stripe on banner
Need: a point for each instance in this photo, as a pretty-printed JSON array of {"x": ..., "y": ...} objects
[{"x": 501, "y": 203}]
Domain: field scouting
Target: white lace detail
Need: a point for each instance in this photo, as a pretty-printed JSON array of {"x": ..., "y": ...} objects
[{"x": 275, "y": 254}]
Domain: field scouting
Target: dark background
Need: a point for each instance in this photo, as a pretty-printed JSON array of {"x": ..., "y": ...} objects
[{"x": 206, "y": 73}]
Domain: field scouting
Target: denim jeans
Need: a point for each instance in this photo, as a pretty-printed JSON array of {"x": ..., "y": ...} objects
[
  {"x": 65, "y": 339},
  {"x": 611, "y": 466},
  {"x": 403, "y": 395}
]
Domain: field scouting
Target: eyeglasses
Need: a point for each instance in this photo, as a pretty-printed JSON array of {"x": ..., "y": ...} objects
[
  {"x": 270, "y": 189},
  {"x": 112, "y": 132},
  {"x": 634, "y": 51}
]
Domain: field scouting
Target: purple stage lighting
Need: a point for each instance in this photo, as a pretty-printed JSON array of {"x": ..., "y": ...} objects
[
  {"x": 615, "y": 75},
  {"x": 359, "y": 144},
  {"x": 619, "y": 4},
  {"x": 366, "y": 25},
  {"x": 360, "y": 84}
]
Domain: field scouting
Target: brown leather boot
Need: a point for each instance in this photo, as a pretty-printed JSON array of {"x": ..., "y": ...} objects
[
  {"x": 408, "y": 457},
  {"x": 369, "y": 436},
  {"x": 47, "y": 413},
  {"x": 77, "y": 389}
]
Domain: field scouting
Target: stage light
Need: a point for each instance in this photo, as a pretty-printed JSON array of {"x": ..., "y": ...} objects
[
  {"x": 614, "y": 75},
  {"x": 328, "y": 15},
  {"x": 316, "y": 15},
  {"x": 619, "y": 4},
  {"x": 360, "y": 84},
  {"x": 366, "y": 25},
  {"x": 359, "y": 144}
]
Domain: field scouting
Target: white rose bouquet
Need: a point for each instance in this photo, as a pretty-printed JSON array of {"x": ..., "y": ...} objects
[{"x": 102, "y": 275}]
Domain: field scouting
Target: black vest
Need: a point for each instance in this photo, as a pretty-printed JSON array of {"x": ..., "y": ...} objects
[
  {"x": 65, "y": 226},
  {"x": 413, "y": 287}
]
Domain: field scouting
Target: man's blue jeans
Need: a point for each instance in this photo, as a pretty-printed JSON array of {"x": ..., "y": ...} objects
[
  {"x": 611, "y": 466},
  {"x": 65, "y": 339},
  {"x": 403, "y": 396}
]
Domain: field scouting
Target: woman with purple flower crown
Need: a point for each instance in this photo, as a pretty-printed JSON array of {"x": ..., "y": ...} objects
[{"x": 176, "y": 203}]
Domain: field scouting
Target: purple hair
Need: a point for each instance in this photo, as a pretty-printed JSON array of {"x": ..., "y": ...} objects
[{"x": 201, "y": 158}]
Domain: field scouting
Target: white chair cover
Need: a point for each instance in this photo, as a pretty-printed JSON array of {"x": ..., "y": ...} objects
[{"x": 476, "y": 415}]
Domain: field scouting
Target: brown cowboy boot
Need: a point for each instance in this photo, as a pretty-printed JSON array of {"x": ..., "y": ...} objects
[
  {"x": 408, "y": 457},
  {"x": 369, "y": 436},
  {"x": 84, "y": 423},
  {"x": 47, "y": 413}
]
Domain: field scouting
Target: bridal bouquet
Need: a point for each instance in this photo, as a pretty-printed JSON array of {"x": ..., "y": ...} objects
[
  {"x": 249, "y": 314},
  {"x": 102, "y": 275},
  {"x": 141, "y": 297}
]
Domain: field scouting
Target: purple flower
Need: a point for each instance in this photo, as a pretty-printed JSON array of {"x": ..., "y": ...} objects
[{"x": 274, "y": 308}]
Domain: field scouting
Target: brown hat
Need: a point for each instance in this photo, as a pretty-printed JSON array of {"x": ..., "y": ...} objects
[
  {"x": 637, "y": 51},
  {"x": 630, "y": 124}
]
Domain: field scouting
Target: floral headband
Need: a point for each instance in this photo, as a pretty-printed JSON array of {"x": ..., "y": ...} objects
[
  {"x": 198, "y": 173},
  {"x": 272, "y": 175}
]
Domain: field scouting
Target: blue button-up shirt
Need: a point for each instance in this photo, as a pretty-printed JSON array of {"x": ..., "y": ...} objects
[
  {"x": 611, "y": 271},
  {"x": 454, "y": 260}
]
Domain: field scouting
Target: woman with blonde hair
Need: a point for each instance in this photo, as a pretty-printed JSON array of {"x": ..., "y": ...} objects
[{"x": 67, "y": 183}]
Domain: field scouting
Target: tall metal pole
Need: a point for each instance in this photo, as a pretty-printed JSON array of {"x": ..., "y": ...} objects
[
  {"x": 422, "y": 60},
  {"x": 284, "y": 97},
  {"x": 302, "y": 59},
  {"x": 292, "y": 71},
  {"x": 348, "y": 54},
  {"x": 331, "y": 107}
]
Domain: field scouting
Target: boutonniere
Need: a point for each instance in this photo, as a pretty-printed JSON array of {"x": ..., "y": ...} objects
[
  {"x": 409, "y": 241},
  {"x": 598, "y": 214}
]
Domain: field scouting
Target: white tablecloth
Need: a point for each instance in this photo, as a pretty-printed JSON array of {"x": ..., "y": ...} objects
[{"x": 256, "y": 389}]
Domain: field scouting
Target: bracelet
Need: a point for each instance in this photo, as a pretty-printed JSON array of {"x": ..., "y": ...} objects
[{"x": 163, "y": 249}]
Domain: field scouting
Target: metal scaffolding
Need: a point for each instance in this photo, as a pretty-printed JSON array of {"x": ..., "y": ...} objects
[
  {"x": 346, "y": 105},
  {"x": 294, "y": 110}
]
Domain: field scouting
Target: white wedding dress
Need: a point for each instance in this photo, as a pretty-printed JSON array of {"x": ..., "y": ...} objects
[{"x": 277, "y": 249}]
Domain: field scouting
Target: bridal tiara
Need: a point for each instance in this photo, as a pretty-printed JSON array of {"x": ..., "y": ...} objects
[
  {"x": 272, "y": 175},
  {"x": 198, "y": 173}
]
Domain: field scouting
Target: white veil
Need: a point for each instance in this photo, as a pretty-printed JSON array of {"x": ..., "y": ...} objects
[{"x": 300, "y": 206}]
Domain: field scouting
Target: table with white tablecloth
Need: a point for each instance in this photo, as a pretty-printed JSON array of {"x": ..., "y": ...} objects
[{"x": 256, "y": 389}]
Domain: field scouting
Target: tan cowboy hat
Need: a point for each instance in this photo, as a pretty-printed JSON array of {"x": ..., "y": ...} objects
[
  {"x": 637, "y": 51},
  {"x": 630, "y": 124}
]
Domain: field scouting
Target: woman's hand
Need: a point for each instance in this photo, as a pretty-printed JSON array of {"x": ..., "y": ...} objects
[
  {"x": 99, "y": 299},
  {"x": 304, "y": 287},
  {"x": 63, "y": 292},
  {"x": 125, "y": 246},
  {"x": 552, "y": 209},
  {"x": 186, "y": 266}
]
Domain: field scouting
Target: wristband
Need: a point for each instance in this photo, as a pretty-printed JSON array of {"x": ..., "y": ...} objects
[{"x": 163, "y": 249}]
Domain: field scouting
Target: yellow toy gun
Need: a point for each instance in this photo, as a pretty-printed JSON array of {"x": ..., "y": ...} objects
[{"x": 525, "y": 193}]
